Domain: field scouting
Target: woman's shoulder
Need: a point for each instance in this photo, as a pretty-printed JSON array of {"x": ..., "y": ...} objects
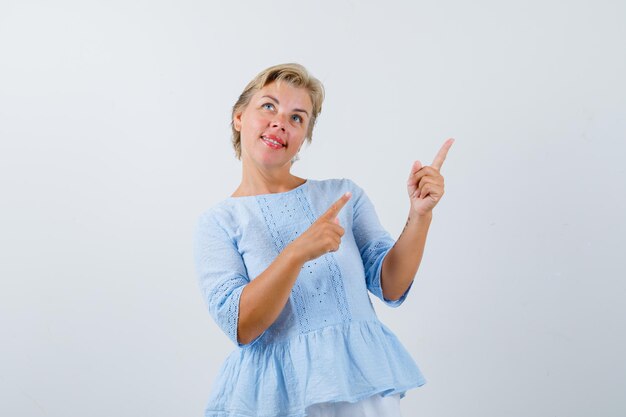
[
  {"x": 334, "y": 184},
  {"x": 223, "y": 214},
  {"x": 333, "y": 188}
]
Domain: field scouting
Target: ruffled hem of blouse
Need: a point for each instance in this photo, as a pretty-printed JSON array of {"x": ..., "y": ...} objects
[{"x": 346, "y": 362}]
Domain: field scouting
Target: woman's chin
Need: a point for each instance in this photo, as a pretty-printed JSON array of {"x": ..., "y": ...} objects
[{"x": 272, "y": 161}]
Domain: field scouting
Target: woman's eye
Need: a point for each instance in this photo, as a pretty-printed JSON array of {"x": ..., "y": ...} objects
[
  {"x": 268, "y": 106},
  {"x": 297, "y": 118}
]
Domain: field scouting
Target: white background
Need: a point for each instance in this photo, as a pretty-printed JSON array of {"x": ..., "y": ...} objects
[{"x": 115, "y": 136}]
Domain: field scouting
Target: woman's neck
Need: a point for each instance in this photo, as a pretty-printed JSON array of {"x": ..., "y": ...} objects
[{"x": 255, "y": 182}]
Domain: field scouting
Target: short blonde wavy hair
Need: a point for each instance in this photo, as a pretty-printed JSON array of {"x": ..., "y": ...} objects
[{"x": 293, "y": 74}]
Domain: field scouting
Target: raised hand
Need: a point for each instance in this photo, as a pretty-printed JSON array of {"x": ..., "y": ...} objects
[
  {"x": 425, "y": 184},
  {"x": 324, "y": 235}
]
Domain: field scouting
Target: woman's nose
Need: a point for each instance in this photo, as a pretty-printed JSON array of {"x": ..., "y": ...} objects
[{"x": 278, "y": 121}]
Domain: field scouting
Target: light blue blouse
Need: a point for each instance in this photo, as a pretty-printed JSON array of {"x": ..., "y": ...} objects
[{"x": 327, "y": 344}]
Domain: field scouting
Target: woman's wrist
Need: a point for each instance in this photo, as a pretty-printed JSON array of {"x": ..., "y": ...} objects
[
  {"x": 293, "y": 255},
  {"x": 414, "y": 215}
]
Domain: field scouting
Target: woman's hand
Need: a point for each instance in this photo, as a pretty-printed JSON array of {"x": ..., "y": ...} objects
[
  {"x": 425, "y": 184},
  {"x": 323, "y": 236}
]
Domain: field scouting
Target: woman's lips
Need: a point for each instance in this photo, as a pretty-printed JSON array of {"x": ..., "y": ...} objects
[{"x": 271, "y": 144}]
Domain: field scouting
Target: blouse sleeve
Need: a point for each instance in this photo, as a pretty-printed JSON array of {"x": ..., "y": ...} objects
[
  {"x": 222, "y": 275},
  {"x": 374, "y": 242}
]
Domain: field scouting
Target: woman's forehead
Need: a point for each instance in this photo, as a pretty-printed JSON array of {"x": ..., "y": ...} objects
[{"x": 286, "y": 94}]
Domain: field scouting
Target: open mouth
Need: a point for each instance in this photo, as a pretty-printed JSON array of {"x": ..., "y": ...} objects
[{"x": 274, "y": 144}]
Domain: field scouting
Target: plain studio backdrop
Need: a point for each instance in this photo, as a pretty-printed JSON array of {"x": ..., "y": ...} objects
[{"x": 115, "y": 137}]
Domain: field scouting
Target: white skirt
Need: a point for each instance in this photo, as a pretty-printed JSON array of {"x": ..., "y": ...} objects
[{"x": 374, "y": 406}]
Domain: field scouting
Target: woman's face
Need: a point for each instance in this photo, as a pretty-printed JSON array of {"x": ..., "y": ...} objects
[{"x": 273, "y": 125}]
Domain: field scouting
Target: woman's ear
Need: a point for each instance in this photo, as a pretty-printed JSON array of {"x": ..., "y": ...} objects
[{"x": 237, "y": 122}]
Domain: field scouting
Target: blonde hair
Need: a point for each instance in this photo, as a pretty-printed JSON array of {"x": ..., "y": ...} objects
[{"x": 293, "y": 74}]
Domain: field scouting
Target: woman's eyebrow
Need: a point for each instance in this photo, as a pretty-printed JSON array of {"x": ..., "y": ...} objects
[{"x": 277, "y": 102}]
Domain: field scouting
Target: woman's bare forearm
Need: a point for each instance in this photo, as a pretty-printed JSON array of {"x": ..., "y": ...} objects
[
  {"x": 404, "y": 258},
  {"x": 264, "y": 297}
]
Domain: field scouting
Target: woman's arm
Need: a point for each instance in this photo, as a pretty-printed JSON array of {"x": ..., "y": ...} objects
[
  {"x": 404, "y": 258},
  {"x": 425, "y": 187},
  {"x": 264, "y": 297}
]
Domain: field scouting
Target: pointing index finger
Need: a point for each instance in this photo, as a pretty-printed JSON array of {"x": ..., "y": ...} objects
[
  {"x": 441, "y": 155},
  {"x": 332, "y": 212}
]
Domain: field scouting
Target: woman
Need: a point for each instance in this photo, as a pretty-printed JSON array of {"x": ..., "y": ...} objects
[{"x": 285, "y": 263}]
